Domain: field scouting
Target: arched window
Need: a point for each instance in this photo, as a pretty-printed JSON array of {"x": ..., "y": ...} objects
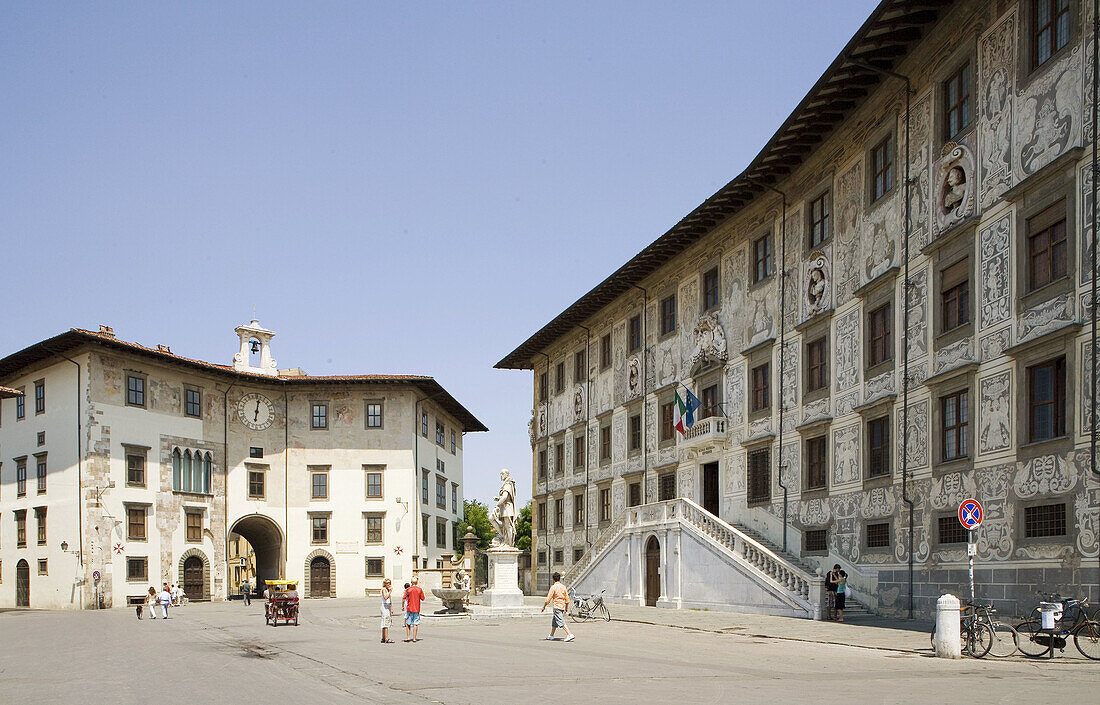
[
  {"x": 177, "y": 465},
  {"x": 207, "y": 472},
  {"x": 186, "y": 472}
]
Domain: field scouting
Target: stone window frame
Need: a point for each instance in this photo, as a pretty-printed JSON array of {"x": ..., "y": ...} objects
[
  {"x": 144, "y": 508},
  {"x": 326, "y": 526},
  {"x": 39, "y": 396},
  {"x": 880, "y": 291},
  {"x": 424, "y": 424},
  {"x": 425, "y": 486},
  {"x": 966, "y": 53},
  {"x": 313, "y": 415},
  {"x": 454, "y": 442},
  {"x": 606, "y": 441},
  {"x": 454, "y": 498},
  {"x": 885, "y": 134},
  {"x": 367, "y": 518},
  {"x": 755, "y": 357},
  {"x": 541, "y": 522},
  {"x": 766, "y": 237},
  {"x": 668, "y": 300},
  {"x": 867, "y": 524},
  {"x": 381, "y": 571},
  {"x": 822, "y": 191},
  {"x": 945, "y": 257},
  {"x": 1051, "y": 346},
  {"x": 604, "y": 503},
  {"x": 144, "y": 379},
  {"x": 314, "y": 472},
  {"x": 20, "y": 528},
  {"x": 542, "y": 386},
  {"x": 630, "y": 481},
  {"x": 1027, "y": 69},
  {"x": 819, "y": 433},
  {"x": 607, "y": 354},
  {"x": 143, "y": 562},
  {"x": 43, "y": 566},
  {"x": 559, "y": 556},
  {"x": 580, "y": 449},
  {"x": 945, "y": 385},
  {"x": 817, "y": 333},
  {"x": 440, "y": 433},
  {"x": 1037, "y": 201},
  {"x": 192, "y": 389},
  {"x": 41, "y": 534},
  {"x": 261, "y": 469},
  {"x": 824, "y": 531},
  {"x": 713, "y": 266},
  {"x": 374, "y": 469},
  {"x": 580, "y": 366},
  {"x": 578, "y": 509},
  {"x": 40, "y": 440},
  {"x": 634, "y": 325},
  {"x": 666, "y": 400},
  {"x": 41, "y": 470},
  {"x": 367, "y": 403},
  {"x": 424, "y": 519},
  {"x": 947, "y": 517},
  {"x": 578, "y": 553},
  {"x": 20, "y": 475},
  {"x": 559, "y": 455},
  {"x": 559, "y": 514},
  {"x": 751, "y": 451},
  {"x": 559, "y": 377},
  {"x": 1069, "y": 538},
  {"x": 634, "y": 418},
  {"x": 21, "y": 403},
  {"x": 664, "y": 476},
  {"x": 189, "y": 512},
  {"x": 440, "y": 492},
  {"x": 883, "y": 408},
  {"x": 542, "y": 461}
]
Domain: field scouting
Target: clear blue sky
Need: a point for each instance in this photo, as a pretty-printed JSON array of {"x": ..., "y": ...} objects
[{"x": 397, "y": 187}]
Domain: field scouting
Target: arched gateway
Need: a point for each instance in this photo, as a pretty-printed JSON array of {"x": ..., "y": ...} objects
[{"x": 266, "y": 541}]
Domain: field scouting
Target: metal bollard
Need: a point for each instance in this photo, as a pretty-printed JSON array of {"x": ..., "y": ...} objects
[{"x": 948, "y": 627}]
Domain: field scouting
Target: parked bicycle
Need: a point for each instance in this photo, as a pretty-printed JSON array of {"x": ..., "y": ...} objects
[
  {"x": 982, "y": 634},
  {"x": 582, "y": 609},
  {"x": 1070, "y": 619}
]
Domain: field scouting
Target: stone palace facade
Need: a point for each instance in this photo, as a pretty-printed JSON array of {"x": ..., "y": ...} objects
[
  {"x": 781, "y": 303},
  {"x": 124, "y": 466}
]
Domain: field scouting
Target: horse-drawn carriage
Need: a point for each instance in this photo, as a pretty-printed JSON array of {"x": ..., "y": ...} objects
[{"x": 282, "y": 602}]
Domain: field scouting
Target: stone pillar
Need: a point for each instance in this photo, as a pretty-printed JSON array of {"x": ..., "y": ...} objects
[
  {"x": 504, "y": 578},
  {"x": 948, "y": 627},
  {"x": 469, "y": 557}
]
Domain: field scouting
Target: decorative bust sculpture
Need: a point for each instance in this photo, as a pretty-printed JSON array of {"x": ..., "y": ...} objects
[
  {"x": 954, "y": 188},
  {"x": 503, "y": 516}
]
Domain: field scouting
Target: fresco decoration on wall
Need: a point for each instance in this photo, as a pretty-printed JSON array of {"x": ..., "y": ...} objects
[
  {"x": 735, "y": 394},
  {"x": 878, "y": 502},
  {"x": 847, "y": 403},
  {"x": 618, "y": 436},
  {"x": 817, "y": 292},
  {"x": 1044, "y": 475},
  {"x": 846, "y": 362},
  {"x": 952, "y": 356},
  {"x": 879, "y": 240},
  {"x": 879, "y": 386},
  {"x": 997, "y": 78},
  {"x": 633, "y": 377},
  {"x": 849, "y": 223},
  {"x": 708, "y": 342},
  {"x": 788, "y": 385},
  {"x": 918, "y": 314},
  {"x": 918, "y": 372},
  {"x": 995, "y": 424},
  {"x": 996, "y": 279},
  {"x": 1047, "y": 116},
  {"x": 1087, "y": 232},
  {"x": 815, "y": 512},
  {"x": 955, "y": 183},
  {"x": 737, "y": 310},
  {"x": 918, "y": 435},
  {"x": 993, "y": 344},
  {"x": 950, "y": 489},
  {"x": 919, "y": 170},
  {"x": 791, "y": 467},
  {"x": 1045, "y": 317},
  {"x": 735, "y": 474},
  {"x": 815, "y": 410}
]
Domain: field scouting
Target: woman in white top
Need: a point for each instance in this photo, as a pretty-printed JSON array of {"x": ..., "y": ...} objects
[{"x": 387, "y": 611}]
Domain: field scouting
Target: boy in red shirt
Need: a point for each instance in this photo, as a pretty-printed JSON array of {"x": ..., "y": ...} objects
[{"x": 413, "y": 596}]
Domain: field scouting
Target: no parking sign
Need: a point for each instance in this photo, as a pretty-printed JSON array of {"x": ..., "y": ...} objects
[{"x": 971, "y": 513}]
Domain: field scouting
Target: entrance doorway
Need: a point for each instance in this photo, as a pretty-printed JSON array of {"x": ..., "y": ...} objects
[
  {"x": 319, "y": 575},
  {"x": 193, "y": 585},
  {"x": 652, "y": 571},
  {"x": 710, "y": 488},
  {"x": 22, "y": 584},
  {"x": 256, "y": 549}
]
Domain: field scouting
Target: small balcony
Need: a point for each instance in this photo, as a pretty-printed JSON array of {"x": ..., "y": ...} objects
[{"x": 706, "y": 433}]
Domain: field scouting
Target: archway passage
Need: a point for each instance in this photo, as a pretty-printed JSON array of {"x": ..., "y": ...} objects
[
  {"x": 262, "y": 550},
  {"x": 22, "y": 584},
  {"x": 193, "y": 584},
  {"x": 320, "y": 571},
  {"x": 652, "y": 571}
]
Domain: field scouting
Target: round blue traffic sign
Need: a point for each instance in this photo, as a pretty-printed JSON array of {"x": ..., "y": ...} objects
[{"x": 971, "y": 513}]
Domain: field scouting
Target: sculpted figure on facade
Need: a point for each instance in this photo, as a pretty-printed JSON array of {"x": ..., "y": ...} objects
[
  {"x": 956, "y": 186},
  {"x": 503, "y": 516},
  {"x": 709, "y": 341},
  {"x": 578, "y": 403},
  {"x": 818, "y": 291},
  {"x": 634, "y": 377}
]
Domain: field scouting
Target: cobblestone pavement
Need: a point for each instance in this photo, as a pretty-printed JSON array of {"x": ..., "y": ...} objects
[{"x": 224, "y": 653}]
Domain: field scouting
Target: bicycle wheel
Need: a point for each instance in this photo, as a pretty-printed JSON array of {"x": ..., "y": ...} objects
[
  {"x": 577, "y": 615},
  {"x": 1032, "y": 640},
  {"x": 979, "y": 640},
  {"x": 601, "y": 612},
  {"x": 1087, "y": 640},
  {"x": 1005, "y": 640}
]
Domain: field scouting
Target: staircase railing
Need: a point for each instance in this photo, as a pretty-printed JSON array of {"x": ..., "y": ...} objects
[{"x": 599, "y": 546}]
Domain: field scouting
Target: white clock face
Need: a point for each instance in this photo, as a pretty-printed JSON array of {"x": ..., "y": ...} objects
[{"x": 256, "y": 411}]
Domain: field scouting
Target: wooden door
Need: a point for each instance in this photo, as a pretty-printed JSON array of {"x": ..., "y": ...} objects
[
  {"x": 22, "y": 584},
  {"x": 652, "y": 571},
  {"x": 710, "y": 488},
  {"x": 319, "y": 570},
  {"x": 192, "y": 579}
]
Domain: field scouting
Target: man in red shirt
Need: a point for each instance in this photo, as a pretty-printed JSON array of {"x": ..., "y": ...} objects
[{"x": 413, "y": 596}]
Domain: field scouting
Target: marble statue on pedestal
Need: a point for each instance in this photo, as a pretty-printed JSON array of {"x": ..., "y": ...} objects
[{"x": 503, "y": 516}]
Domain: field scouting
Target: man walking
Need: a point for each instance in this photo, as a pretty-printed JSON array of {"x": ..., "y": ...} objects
[
  {"x": 165, "y": 599},
  {"x": 413, "y": 596},
  {"x": 559, "y": 596}
]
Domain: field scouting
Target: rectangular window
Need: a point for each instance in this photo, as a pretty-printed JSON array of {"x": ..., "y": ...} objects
[
  {"x": 668, "y": 314},
  {"x": 374, "y": 528},
  {"x": 578, "y": 510},
  {"x": 761, "y": 389},
  {"x": 559, "y": 459},
  {"x": 135, "y": 470},
  {"x": 20, "y": 528},
  {"x": 43, "y": 566},
  {"x": 318, "y": 485},
  {"x": 709, "y": 402},
  {"x": 881, "y": 344},
  {"x": 710, "y": 289},
  {"x": 578, "y": 553},
  {"x": 1047, "y": 400},
  {"x": 374, "y": 481},
  {"x": 605, "y": 443},
  {"x": 255, "y": 484},
  {"x": 424, "y": 487},
  {"x": 950, "y": 530},
  {"x": 544, "y": 386},
  {"x": 440, "y": 493},
  {"x": 320, "y": 529},
  {"x": 605, "y": 504},
  {"x": 634, "y": 494},
  {"x": 666, "y": 486},
  {"x": 319, "y": 416},
  {"x": 878, "y": 447},
  {"x": 542, "y": 558},
  {"x": 955, "y": 296},
  {"x": 819, "y": 220},
  {"x": 374, "y": 414},
  {"x": 817, "y": 365},
  {"x": 424, "y": 424},
  {"x": 815, "y": 463},
  {"x": 1047, "y": 251},
  {"x": 558, "y": 556},
  {"x": 956, "y": 425},
  {"x": 20, "y": 477},
  {"x": 882, "y": 169},
  {"x": 254, "y": 452},
  {"x": 41, "y": 438},
  {"x": 192, "y": 402},
  {"x": 135, "y": 390},
  {"x": 636, "y": 432},
  {"x": 41, "y": 473},
  {"x": 40, "y": 397},
  {"x": 1045, "y": 520},
  {"x": 667, "y": 429},
  {"x": 1049, "y": 29},
  {"x": 635, "y": 333},
  {"x": 20, "y": 409},
  {"x": 559, "y": 513},
  {"x": 541, "y": 516},
  {"x": 580, "y": 369},
  {"x": 40, "y": 520},
  {"x": 956, "y": 102},
  {"x": 762, "y": 257},
  {"x": 816, "y": 539},
  {"x": 194, "y": 527},
  {"x": 135, "y": 523},
  {"x": 440, "y": 434},
  {"x": 424, "y": 533},
  {"x": 454, "y": 498},
  {"x": 578, "y": 452},
  {"x": 559, "y": 378},
  {"x": 605, "y": 352},
  {"x": 454, "y": 442},
  {"x": 542, "y": 464},
  {"x": 137, "y": 569},
  {"x": 374, "y": 567},
  {"x": 878, "y": 535},
  {"x": 759, "y": 476}
]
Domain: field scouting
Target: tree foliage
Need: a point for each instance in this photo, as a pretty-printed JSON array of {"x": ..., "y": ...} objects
[
  {"x": 475, "y": 514},
  {"x": 523, "y": 528}
]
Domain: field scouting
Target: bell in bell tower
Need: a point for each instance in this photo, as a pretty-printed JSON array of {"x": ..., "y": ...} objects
[{"x": 255, "y": 339}]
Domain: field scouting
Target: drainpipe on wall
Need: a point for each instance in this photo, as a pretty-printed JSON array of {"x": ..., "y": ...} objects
[
  {"x": 545, "y": 403},
  {"x": 286, "y": 472},
  {"x": 225, "y": 473},
  {"x": 79, "y": 473},
  {"x": 645, "y": 393},
  {"x": 1095, "y": 165},
  {"x": 587, "y": 420}
]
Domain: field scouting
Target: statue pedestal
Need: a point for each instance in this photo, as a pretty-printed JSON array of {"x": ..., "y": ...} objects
[{"x": 503, "y": 578}]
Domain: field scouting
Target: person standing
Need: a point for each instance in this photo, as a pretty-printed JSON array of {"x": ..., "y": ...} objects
[
  {"x": 830, "y": 593},
  {"x": 838, "y": 580},
  {"x": 413, "y": 597},
  {"x": 559, "y": 597},
  {"x": 151, "y": 601},
  {"x": 387, "y": 610},
  {"x": 165, "y": 598},
  {"x": 246, "y": 593}
]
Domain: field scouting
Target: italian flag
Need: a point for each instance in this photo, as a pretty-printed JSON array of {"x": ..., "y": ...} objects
[{"x": 683, "y": 412}]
